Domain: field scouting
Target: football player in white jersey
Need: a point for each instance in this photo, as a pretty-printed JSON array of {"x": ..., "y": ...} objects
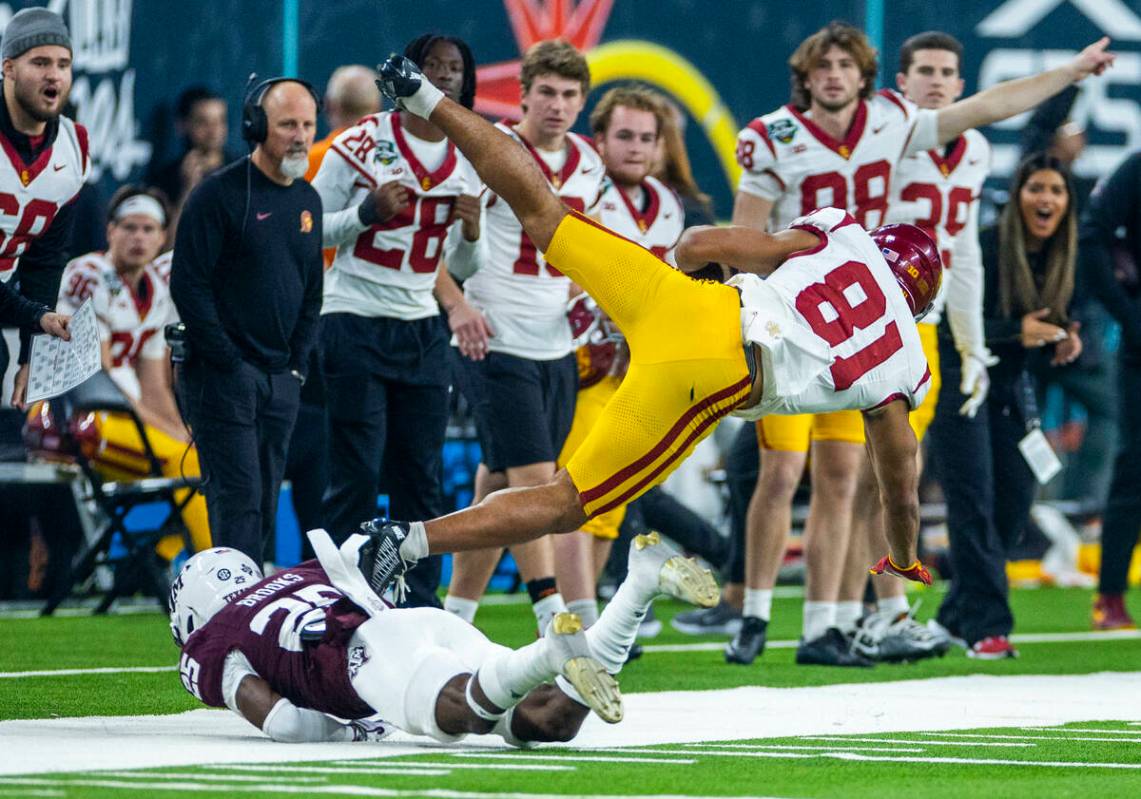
[
  {"x": 523, "y": 393},
  {"x": 399, "y": 203},
  {"x": 627, "y": 123},
  {"x": 805, "y": 340},
  {"x": 44, "y": 165},
  {"x": 938, "y": 190},
  {"x": 128, "y": 287},
  {"x": 837, "y": 143}
]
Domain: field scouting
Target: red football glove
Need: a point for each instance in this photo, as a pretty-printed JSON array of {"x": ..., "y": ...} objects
[{"x": 916, "y": 571}]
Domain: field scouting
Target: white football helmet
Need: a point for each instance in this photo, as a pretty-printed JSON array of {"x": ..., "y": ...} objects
[{"x": 204, "y": 585}]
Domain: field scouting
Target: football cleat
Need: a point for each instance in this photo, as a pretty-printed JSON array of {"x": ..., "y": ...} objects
[
  {"x": 748, "y": 643},
  {"x": 830, "y": 649},
  {"x": 375, "y": 551},
  {"x": 594, "y": 684},
  {"x": 897, "y": 638},
  {"x": 916, "y": 572},
  {"x": 722, "y": 619},
  {"x": 399, "y": 78},
  {"x": 675, "y": 575}
]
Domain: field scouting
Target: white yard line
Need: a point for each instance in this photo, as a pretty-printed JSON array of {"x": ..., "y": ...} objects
[
  {"x": 201, "y": 776},
  {"x": 1080, "y": 730},
  {"x": 1018, "y": 738},
  {"x": 983, "y": 761},
  {"x": 905, "y": 741},
  {"x": 675, "y": 761},
  {"x": 15, "y": 675},
  {"x": 215, "y": 737},
  {"x": 353, "y": 767},
  {"x": 817, "y": 748}
]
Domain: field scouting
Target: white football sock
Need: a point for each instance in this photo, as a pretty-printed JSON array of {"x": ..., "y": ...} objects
[
  {"x": 546, "y": 609},
  {"x": 847, "y": 614},
  {"x": 612, "y": 636},
  {"x": 587, "y": 610},
  {"x": 818, "y": 617},
  {"x": 893, "y": 605},
  {"x": 464, "y": 608},
  {"x": 415, "y": 545},
  {"x": 507, "y": 678},
  {"x": 758, "y": 603}
]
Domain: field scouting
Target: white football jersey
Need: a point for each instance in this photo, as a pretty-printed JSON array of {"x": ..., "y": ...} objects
[
  {"x": 657, "y": 227},
  {"x": 522, "y": 296},
  {"x": 834, "y": 328},
  {"x": 33, "y": 193},
  {"x": 938, "y": 190},
  {"x": 388, "y": 269},
  {"x": 788, "y": 159},
  {"x": 131, "y": 321}
]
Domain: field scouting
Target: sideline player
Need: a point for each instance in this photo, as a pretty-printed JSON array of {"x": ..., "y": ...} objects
[
  {"x": 938, "y": 190},
  {"x": 38, "y": 215},
  {"x": 627, "y": 124},
  {"x": 810, "y": 348},
  {"x": 290, "y": 652},
  {"x": 398, "y": 202},
  {"x": 130, "y": 295},
  {"x": 523, "y": 393}
]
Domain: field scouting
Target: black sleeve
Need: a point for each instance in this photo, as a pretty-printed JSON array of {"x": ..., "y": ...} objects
[
  {"x": 1112, "y": 205},
  {"x": 1038, "y": 133},
  {"x": 197, "y": 246},
  {"x": 41, "y": 267},
  {"x": 18, "y": 311},
  {"x": 997, "y": 328},
  {"x": 304, "y": 336}
]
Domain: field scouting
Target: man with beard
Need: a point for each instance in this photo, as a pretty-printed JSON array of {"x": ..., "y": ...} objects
[
  {"x": 246, "y": 280},
  {"x": 37, "y": 218}
]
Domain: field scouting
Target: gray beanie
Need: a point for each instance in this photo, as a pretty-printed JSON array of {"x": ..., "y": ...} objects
[{"x": 33, "y": 27}]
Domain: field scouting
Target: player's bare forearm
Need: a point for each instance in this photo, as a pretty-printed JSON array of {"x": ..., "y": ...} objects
[
  {"x": 255, "y": 699},
  {"x": 743, "y": 248},
  {"x": 892, "y": 447},
  {"x": 1011, "y": 97},
  {"x": 508, "y": 170}
]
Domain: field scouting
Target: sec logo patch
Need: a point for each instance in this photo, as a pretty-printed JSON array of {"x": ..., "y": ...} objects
[{"x": 306, "y": 222}]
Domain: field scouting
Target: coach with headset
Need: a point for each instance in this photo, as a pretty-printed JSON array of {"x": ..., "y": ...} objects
[{"x": 246, "y": 279}]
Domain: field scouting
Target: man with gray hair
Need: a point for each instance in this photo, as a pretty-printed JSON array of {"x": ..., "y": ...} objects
[{"x": 47, "y": 162}]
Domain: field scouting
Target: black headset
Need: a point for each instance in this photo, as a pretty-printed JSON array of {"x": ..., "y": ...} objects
[{"x": 255, "y": 127}]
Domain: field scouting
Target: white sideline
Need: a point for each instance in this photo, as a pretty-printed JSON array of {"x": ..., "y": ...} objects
[{"x": 949, "y": 703}]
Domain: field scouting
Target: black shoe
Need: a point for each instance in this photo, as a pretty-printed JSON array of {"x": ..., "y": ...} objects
[
  {"x": 635, "y": 652},
  {"x": 723, "y": 619},
  {"x": 830, "y": 649},
  {"x": 748, "y": 643},
  {"x": 398, "y": 78},
  {"x": 378, "y": 557}
]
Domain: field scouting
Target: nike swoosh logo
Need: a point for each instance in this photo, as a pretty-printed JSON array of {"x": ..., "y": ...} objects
[
  {"x": 58, "y": 167},
  {"x": 266, "y": 215}
]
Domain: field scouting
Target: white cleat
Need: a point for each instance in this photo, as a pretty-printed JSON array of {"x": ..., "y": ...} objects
[
  {"x": 578, "y": 666},
  {"x": 676, "y": 575}
]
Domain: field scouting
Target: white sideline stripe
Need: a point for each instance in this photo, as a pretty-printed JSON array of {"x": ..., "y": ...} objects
[
  {"x": 924, "y": 743},
  {"x": 9, "y": 675},
  {"x": 1079, "y": 730},
  {"x": 348, "y": 790},
  {"x": 390, "y": 766},
  {"x": 31, "y": 792},
  {"x": 194, "y": 775},
  {"x": 705, "y": 646},
  {"x": 587, "y": 758},
  {"x": 821, "y": 748},
  {"x": 982, "y": 761},
  {"x": 1020, "y": 738},
  {"x": 1027, "y": 638}
]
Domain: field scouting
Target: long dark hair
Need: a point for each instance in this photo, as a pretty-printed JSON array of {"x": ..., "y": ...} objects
[
  {"x": 418, "y": 49},
  {"x": 1018, "y": 291}
]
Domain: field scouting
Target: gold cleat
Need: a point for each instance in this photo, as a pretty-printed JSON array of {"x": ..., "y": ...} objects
[
  {"x": 594, "y": 684},
  {"x": 681, "y": 577}
]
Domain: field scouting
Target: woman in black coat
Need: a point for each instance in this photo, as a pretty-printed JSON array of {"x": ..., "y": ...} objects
[{"x": 1029, "y": 265}]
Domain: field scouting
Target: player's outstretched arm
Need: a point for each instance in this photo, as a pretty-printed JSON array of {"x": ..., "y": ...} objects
[
  {"x": 507, "y": 169},
  {"x": 284, "y": 722},
  {"x": 892, "y": 447},
  {"x": 743, "y": 248},
  {"x": 1011, "y": 97}
]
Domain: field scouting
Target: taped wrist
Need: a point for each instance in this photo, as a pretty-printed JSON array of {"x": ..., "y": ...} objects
[{"x": 288, "y": 723}]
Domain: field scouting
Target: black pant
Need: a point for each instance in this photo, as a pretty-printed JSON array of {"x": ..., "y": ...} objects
[
  {"x": 742, "y": 465},
  {"x": 1123, "y": 510},
  {"x": 386, "y": 428},
  {"x": 307, "y": 469},
  {"x": 977, "y": 460},
  {"x": 241, "y": 422}
]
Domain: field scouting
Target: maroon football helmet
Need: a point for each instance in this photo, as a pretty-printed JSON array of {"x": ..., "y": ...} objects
[{"x": 915, "y": 262}]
